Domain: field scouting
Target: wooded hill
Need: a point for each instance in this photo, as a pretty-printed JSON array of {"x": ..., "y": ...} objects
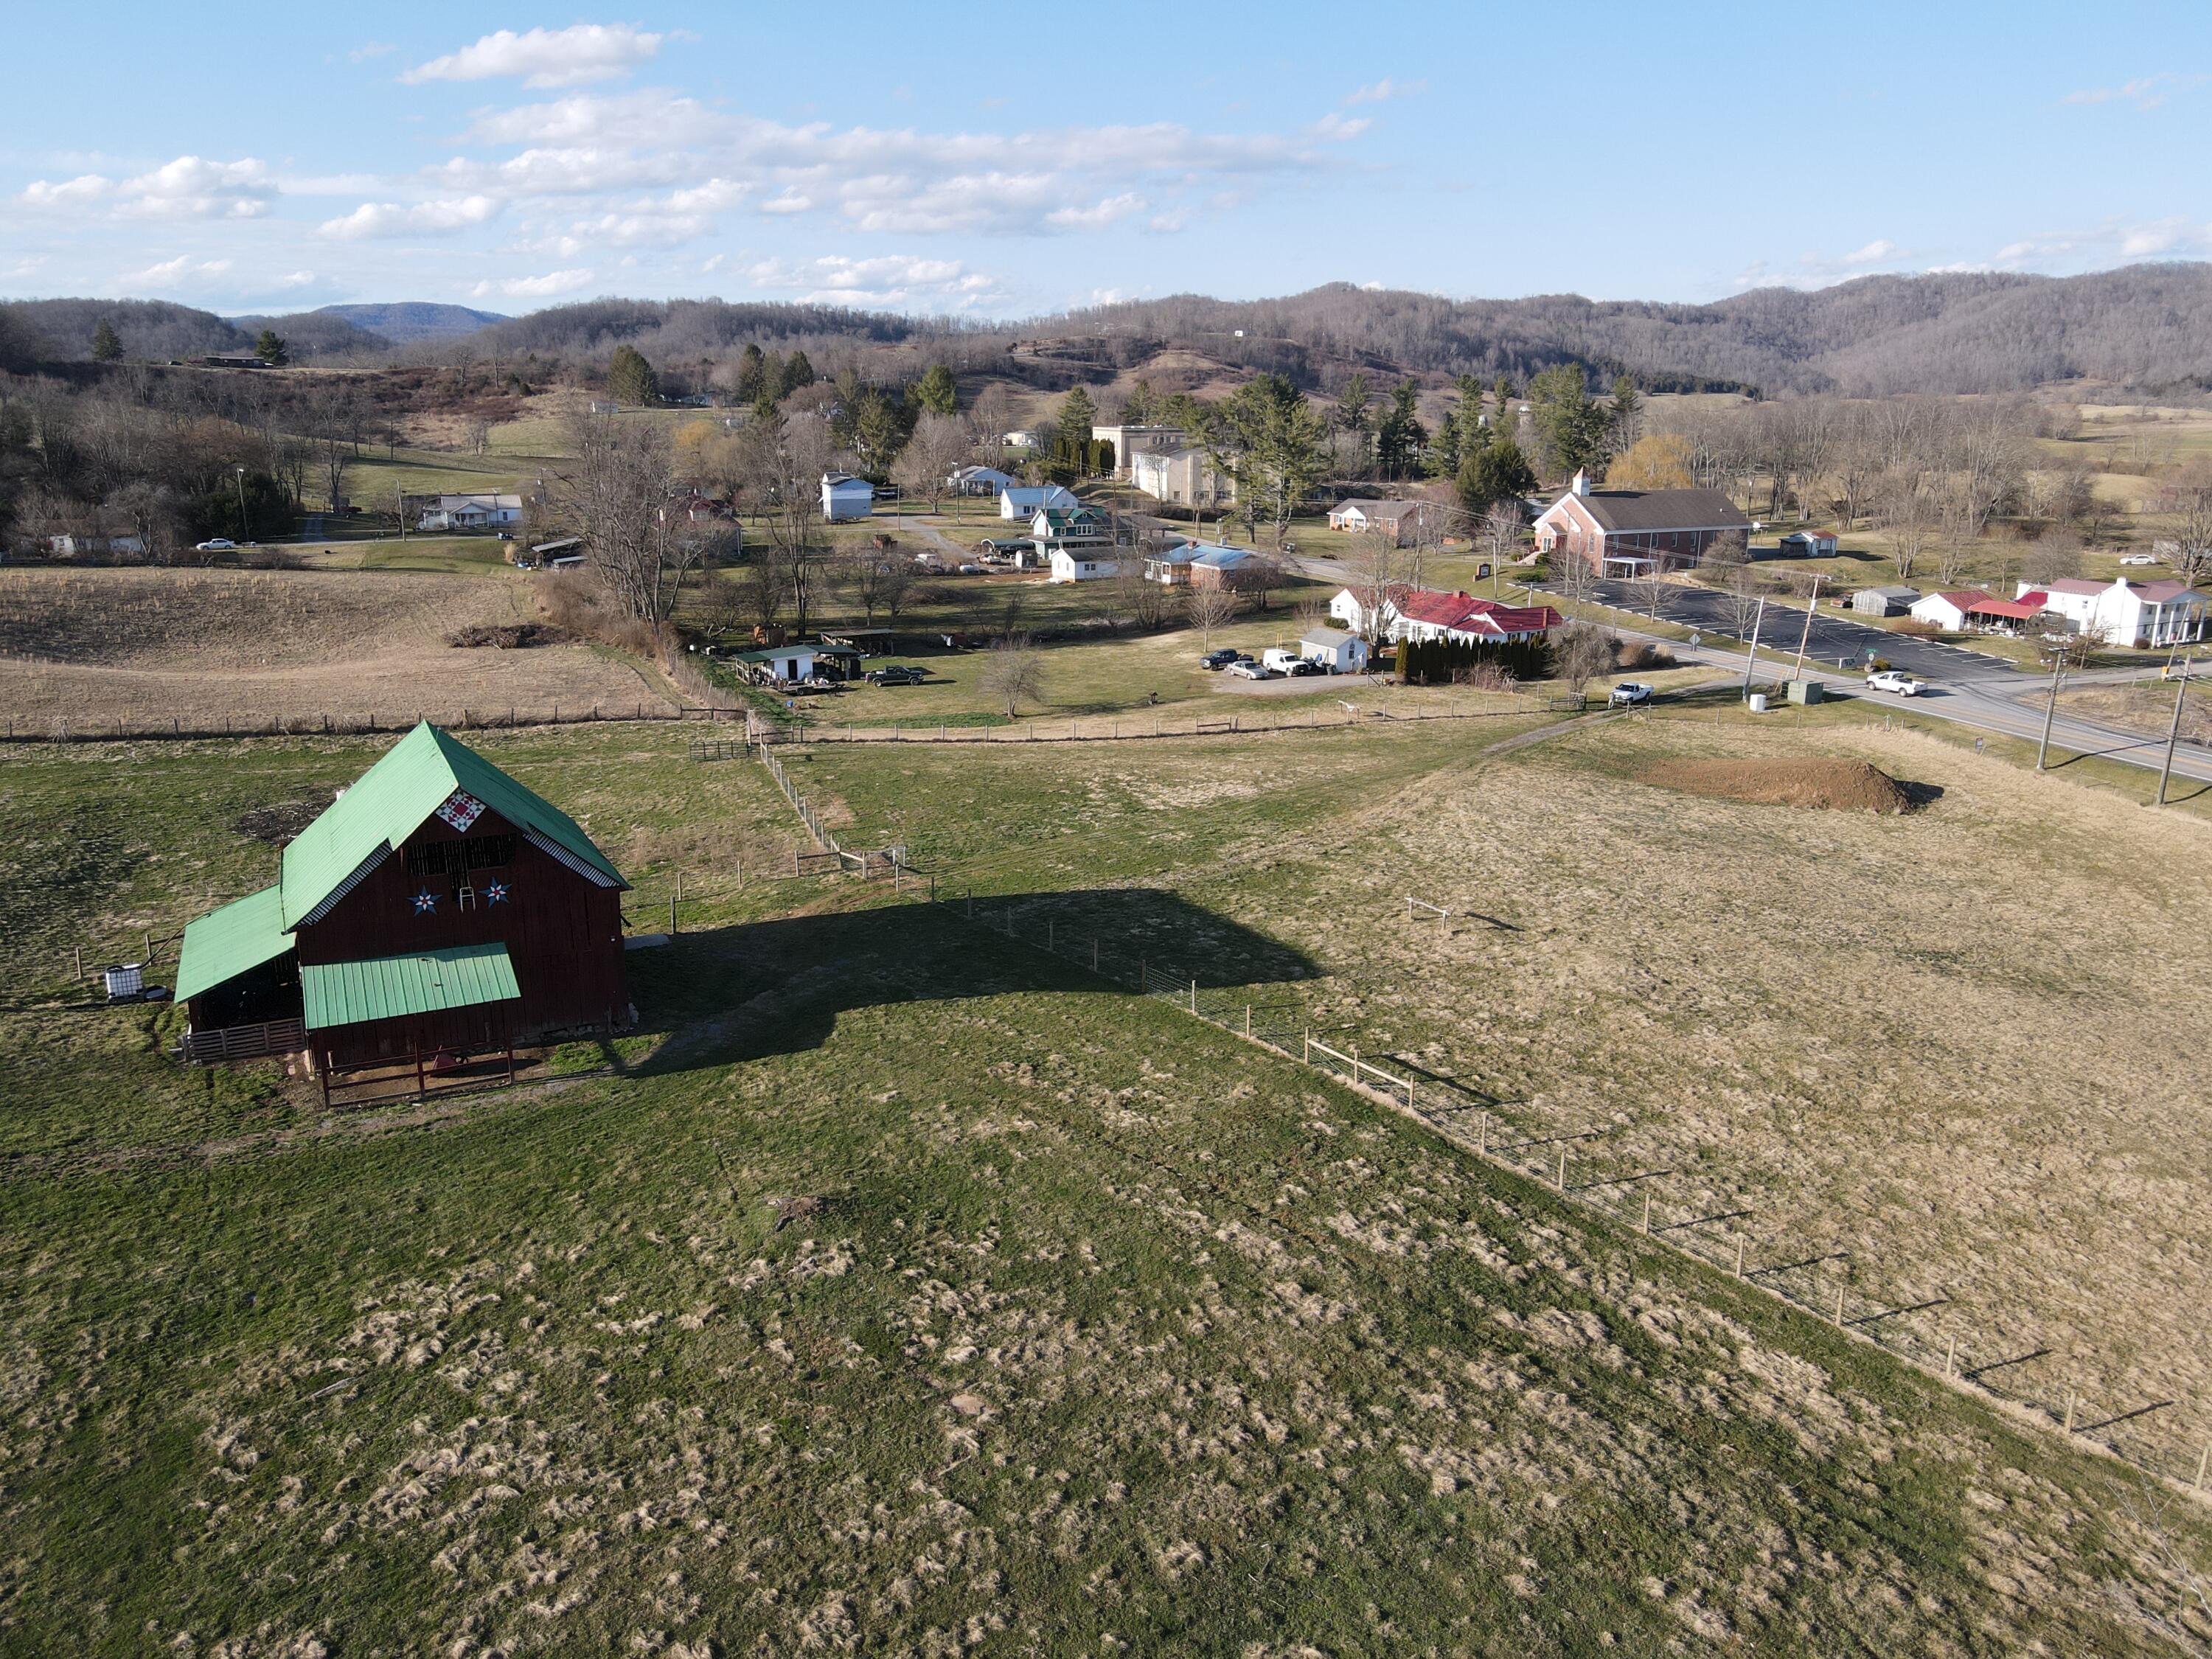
[{"x": 2145, "y": 328}]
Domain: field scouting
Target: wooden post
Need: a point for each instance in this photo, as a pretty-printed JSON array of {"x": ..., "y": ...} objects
[
  {"x": 76, "y": 953},
  {"x": 1840, "y": 1307},
  {"x": 1482, "y": 1133},
  {"x": 1647, "y": 1211},
  {"x": 1307, "y": 1057},
  {"x": 1563, "y": 1169},
  {"x": 422, "y": 1089},
  {"x": 671, "y": 915},
  {"x": 1247, "y": 1022},
  {"x": 1094, "y": 955},
  {"x": 2203, "y": 1463},
  {"x": 1739, "y": 1255},
  {"x": 1409, "y": 1094},
  {"x": 1194, "y": 996},
  {"x": 1951, "y": 1354},
  {"x": 2072, "y": 1400}
]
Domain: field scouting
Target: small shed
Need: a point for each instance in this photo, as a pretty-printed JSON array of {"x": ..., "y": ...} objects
[
  {"x": 1333, "y": 649},
  {"x": 1809, "y": 545},
  {"x": 1948, "y": 610},
  {"x": 1884, "y": 601},
  {"x": 793, "y": 664},
  {"x": 845, "y": 498}
]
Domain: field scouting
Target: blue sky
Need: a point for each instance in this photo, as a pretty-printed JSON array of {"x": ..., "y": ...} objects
[{"x": 1012, "y": 160}]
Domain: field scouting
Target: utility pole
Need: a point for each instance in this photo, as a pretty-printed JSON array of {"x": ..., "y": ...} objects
[
  {"x": 2050, "y": 710},
  {"x": 1812, "y": 607},
  {"x": 1752, "y": 661},
  {"x": 242, "y": 502},
  {"x": 2173, "y": 732},
  {"x": 399, "y": 509}
]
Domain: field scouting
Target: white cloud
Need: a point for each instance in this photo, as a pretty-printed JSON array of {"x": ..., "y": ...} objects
[
  {"x": 2148, "y": 93},
  {"x": 368, "y": 49},
  {"x": 190, "y": 187},
  {"x": 1874, "y": 253},
  {"x": 182, "y": 272},
  {"x": 1382, "y": 91},
  {"x": 545, "y": 57},
  {"x": 895, "y": 279},
  {"x": 533, "y": 288},
  {"x": 1335, "y": 128},
  {"x": 789, "y": 202},
  {"x": 1110, "y": 211},
  {"x": 433, "y": 218}
]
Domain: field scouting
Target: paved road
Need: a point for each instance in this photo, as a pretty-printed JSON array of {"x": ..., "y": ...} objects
[{"x": 1986, "y": 693}]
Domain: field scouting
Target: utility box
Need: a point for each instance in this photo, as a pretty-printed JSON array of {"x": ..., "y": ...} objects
[
  {"x": 1804, "y": 693},
  {"x": 125, "y": 982}
]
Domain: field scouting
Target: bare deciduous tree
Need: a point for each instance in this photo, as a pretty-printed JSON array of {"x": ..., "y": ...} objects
[
  {"x": 940, "y": 443},
  {"x": 1910, "y": 510},
  {"x": 1209, "y": 608},
  {"x": 1582, "y": 652},
  {"x": 1013, "y": 674},
  {"x": 2187, "y": 504},
  {"x": 614, "y": 495},
  {"x": 1499, "y": 533}
]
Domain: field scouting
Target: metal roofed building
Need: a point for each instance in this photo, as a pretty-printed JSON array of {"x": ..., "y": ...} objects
[{"x": 437, "y": 905}]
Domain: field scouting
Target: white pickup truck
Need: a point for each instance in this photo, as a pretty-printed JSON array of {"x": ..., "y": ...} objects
[{"x": 1891, "y": 679}]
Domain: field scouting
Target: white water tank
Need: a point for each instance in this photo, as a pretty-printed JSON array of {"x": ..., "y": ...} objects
[{"x": 1758, "y": 702}]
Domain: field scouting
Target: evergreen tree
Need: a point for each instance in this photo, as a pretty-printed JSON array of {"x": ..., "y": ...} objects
[
  {"x": 271, "y": 349},
  {"x": 1353, "y": 411},
  {"x": 1626, "y": 410},
  {"x": 1570, "y": 424},
  {"x": 936, "y": 390},
  {"x": 630, "y": 378},
  {"x": 1497, "y": 471},
  {"x": 1078, "y": 415},
  {"x": 1400, "y": 436},
  {"x": 752, "y": 372},
  {"x": 1268, "y": 442},
  {"x": 1444, "y": 453},
  {"x": 797, "y": 372},
  {"x": 106, "y": 346},
  {"x": 1141, "y": 408}
]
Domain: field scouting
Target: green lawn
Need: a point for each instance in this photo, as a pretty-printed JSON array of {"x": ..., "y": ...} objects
[{"x": 904, "y": 1288}]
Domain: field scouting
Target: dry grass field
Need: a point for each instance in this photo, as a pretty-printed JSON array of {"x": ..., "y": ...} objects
[
  {"x": 1955, "y": 1043},
  {"x": 97, "y": 647},
  {"x": 904, "y": 1290}
]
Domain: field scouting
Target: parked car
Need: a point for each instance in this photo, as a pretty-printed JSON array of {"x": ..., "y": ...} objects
[
  {"x": 1245, "y": 669},
  {"x": 971, "y": 570},
  {"x": 1214, "y": 661},
  {"x": 1891, "y": 679},
  {"x": 1304, "y": 667},
  {"x": 1628, "y": 694},
  {"x": 896, "y": 674},
  {"x": 215, "y": 544}
]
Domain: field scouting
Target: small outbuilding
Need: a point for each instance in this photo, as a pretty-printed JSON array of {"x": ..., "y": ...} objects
[
  {"x": 1949, "y": 609},
  {"x": 1884, "y": 601},
  {"x": 1809, "y": 545},
  {"x": 1333, "y": 649},
  {"x": 846, "y": 499}
]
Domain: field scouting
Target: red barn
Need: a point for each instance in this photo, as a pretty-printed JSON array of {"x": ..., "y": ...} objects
[{"x": 435, "y": 906}]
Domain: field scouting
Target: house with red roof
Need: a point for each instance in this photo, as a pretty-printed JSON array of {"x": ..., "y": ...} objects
[{"x": 1424, "y": 613}]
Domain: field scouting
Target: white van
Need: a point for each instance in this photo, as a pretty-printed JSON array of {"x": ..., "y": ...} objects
[{"x": 1279, "y": 660}]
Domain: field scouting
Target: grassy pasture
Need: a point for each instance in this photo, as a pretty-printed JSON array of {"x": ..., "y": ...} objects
[{"x": 908, "y": 1290}]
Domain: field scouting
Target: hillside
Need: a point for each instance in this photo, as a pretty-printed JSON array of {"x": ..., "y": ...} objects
[
  {"x": 402, "y": 322},
  {"x": 60, "y": 330}
]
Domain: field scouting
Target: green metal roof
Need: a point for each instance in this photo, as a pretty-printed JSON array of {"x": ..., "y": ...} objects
[
  {"x": 390, "y": 801},
  {"x": 387, "y": 988},
  {"x": 226, "y": 943}
]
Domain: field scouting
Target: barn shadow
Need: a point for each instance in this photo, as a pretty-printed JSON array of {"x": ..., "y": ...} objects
[{"x": 753, "y": 989}]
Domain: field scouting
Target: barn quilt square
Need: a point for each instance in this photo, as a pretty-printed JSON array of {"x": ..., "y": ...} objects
[{"x": 461, "y": 810}]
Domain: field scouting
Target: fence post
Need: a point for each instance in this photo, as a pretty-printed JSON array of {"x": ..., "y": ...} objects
[
  {"x": 1306, "y": 1058},
  {"x": 1482, "y": 1133},
  {"x": 671, "y": 915},
  {"x": 1739, "y": 1255},
  {"x": 1950, "y": 1353},
  {"x": 2072, "y": 1400},
  {"x": 1194, "y": 996},
  {"x": 1647, "y": 1211},
  {"x": 1840, "y": 1307},
  {"x": 1094, "y": 954},
  {"x": 1563, "y": 1169},
  {"x": 2203, "y": 1462},
  {"x": 1247, "y": 1022}
]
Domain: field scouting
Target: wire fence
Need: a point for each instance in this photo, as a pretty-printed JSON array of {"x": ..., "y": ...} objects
[
  {"x": 1683, "y": 1211},
  {"x": 62, "y": 728}
]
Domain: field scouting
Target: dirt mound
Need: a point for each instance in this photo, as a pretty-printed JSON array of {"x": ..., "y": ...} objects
[{"x": 1836, "y": 786}]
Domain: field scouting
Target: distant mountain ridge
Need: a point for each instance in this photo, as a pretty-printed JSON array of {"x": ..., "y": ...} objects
[
  {"x": 2143, "y": 327},
  {"x": 405, "y": 321}
]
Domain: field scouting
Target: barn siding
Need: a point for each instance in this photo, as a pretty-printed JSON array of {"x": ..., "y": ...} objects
[{"x": 563, "y": 932}]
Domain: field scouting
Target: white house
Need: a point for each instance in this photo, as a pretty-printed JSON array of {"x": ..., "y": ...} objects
[
  {"x": 1400, "y": 520},
  {"x": 978, "y": 481},
  {"x": 1021, "y": 441},
  {"x": 1348, "y": 608},
  {"x": 1947, "y": 610},
  {"x": 1083, "y": 564},
  {"x": 2129, "y": 613},
  {"x": 1338, "y": 652},
  {"x": 1026, "y": 501},
  {"x": 844, "y": 498},
  {"x": 1181, "y": 478},
  {"x": 471, "y": 513},
  {"x": 1809, "y": 545},
  {"x": 1422, "y": 613}
]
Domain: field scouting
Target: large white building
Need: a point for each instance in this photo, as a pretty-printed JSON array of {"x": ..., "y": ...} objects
[
  {"x": 1131, "y": 441},
  {"x": 2123, "y": 613},
  {"x": 1181, "y": 478},
  {"x": 470, "y": 512}
]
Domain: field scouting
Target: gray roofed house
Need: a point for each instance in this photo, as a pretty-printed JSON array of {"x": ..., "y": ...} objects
[{"x": 1622, "y": 532}]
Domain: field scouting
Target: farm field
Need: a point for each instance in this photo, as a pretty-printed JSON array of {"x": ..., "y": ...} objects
[
  {"x": 903, "y": 1287},
  {"x": 98, "y": 646},
  {"x": 1859, "y": 1026}
]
